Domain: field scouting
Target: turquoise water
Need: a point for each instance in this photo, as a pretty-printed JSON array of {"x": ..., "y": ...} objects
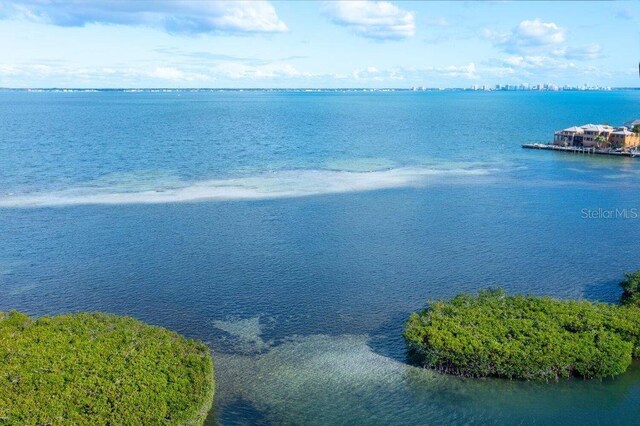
[{"x": 294, "y": 233}]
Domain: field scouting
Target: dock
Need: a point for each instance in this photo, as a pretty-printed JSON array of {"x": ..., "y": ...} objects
[{"x": 582, "y": 150}]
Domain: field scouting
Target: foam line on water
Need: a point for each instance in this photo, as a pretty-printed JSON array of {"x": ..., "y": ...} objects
[{"x": 280, "y": 184}]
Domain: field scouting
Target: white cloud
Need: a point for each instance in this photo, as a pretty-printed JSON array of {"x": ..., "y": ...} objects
[
  {"x": 558, "y": 68},
  {"x": 500, "y": 71},
  {"x": 495, "y": 36},
  {"x": 81, "y": 75},
  {"x": 9, "y": 70},
  {"x": 438, "y": 22},
  {"x": 238, "y": 71},
  {"x": 164, "y": 76},
  {"x": 534, "y": 44},
  {"x": 539, "y": 63},
  {"x": 448, "y": 72},
  {"x": 375, "y": 74},
  {"x": 582, "y": 53},
  {"x": 277, "y": 74},
  {"x": 378, "y": 20},
  {"x": 536, "y": 33},
  {"x": 186, "y": 17},
  {"x": 167, "y": 73},
  {"x": 465, "y": 71},
  {"x": 212, "y": 75},
  {"x": 528, "y": 36}
]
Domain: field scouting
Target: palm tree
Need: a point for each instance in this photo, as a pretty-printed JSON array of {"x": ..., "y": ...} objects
[
  {"x": 636, "y": 129},
  {"x": 600, "y": 140}
]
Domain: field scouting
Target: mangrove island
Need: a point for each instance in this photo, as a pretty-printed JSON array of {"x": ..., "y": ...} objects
[
  {"x": 528, "y": 337},
  {"x": 97, "y": 369}
]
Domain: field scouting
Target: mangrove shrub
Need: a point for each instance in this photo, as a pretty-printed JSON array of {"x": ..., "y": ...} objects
[
  {"x": 631, "y": 289},
  {"x": 98, "y": 369},
  {"x": 524, "y": 337}
]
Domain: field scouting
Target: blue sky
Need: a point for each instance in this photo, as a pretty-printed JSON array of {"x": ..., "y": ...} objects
[{"x": 164, "y": 43}]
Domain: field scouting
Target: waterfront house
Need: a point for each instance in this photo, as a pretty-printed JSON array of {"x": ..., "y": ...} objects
[
  {"x": 623, "y": 138},
  {"x": 571, "y": 136},
  {"x": 631, "y": 124},
  {"x": 592, "y": 131},
  {"x": 599, "y": 136}
]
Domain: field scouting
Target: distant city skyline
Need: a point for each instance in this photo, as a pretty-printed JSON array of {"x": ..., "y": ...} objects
[
  {"x": 475, "y": 87},
  {"x": 367, "y": 44}
]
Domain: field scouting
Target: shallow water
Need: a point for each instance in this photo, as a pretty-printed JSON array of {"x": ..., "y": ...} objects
[{"x": 295, "y": 232}]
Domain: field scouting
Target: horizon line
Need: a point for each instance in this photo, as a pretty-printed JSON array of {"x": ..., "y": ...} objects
[{"x": 409, "y": 89}]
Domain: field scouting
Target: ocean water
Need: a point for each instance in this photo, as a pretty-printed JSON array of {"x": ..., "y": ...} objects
[{"x": 295, "y": 232}]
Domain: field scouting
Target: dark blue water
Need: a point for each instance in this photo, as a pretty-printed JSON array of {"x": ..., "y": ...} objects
[{"x": 294, "y": 233}]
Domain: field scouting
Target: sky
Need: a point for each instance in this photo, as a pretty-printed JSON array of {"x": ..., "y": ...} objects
[{"x": 283, "y": 44}]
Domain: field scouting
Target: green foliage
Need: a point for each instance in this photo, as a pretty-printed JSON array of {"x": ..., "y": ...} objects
[
  {"x": 98, "y": 369},
  {"x": 636, "y": 128},
  {"x": 524, "y": 337},
  {"x": 631, "y": 289}
]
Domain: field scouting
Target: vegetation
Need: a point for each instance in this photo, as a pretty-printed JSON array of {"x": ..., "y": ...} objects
[
  {"x": 601, "y": 141},
  {"x": 98, "y": 369},
  {"x": 631, "y": 289},
  {"x": 636, "y": 128},
  {"x": 528, "y": 337}
]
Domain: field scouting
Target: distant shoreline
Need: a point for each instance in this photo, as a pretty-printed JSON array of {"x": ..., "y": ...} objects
[{"x": 301, "y": 89}]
